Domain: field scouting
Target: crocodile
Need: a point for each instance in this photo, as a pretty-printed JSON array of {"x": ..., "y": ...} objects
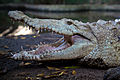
[{"x": 90, "y": 42}]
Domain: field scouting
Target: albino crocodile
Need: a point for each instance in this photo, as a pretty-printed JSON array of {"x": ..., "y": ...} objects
[{"x": 87, "y": 41}]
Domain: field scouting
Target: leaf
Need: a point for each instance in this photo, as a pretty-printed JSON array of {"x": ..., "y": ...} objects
[
  {"x": 38, "y": 78},
  {"x": 6, "y": 46},
  {"x": 74, "y": 72},
  {"x": 71, "y": 67},
  {"x": 23, "y": 38},
  {"x": 34, "y": 36},
  {"x": 61, "y": 73},
  {"x": 52, "y": 68},
  {"x": 27, "y": 63},
  {"x": 28, "y": 78},
  {"x": 56, "y": 72},
  {"x": 40, "y": 75},
  {"x": 57, "y": 69}
]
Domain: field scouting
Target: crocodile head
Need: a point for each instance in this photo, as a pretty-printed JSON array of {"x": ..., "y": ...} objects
[
  {"x": 81, "y": 40},
  {"x": 75, "y": 43}
]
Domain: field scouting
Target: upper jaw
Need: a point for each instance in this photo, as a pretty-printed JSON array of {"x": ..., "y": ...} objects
[
  {"x": 63, "y": 26},
  {"x": 38, "y": 24},
  {"x": 66, "y": 27}
]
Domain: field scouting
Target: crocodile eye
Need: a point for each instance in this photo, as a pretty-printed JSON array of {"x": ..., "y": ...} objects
[{"x": 69, "y": 22}]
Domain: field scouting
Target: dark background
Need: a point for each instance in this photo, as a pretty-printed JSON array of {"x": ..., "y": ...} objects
[{"x": 62, "y": 1}]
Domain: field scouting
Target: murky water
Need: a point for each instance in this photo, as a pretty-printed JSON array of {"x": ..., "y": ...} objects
[{"x": 88, "y": 16}]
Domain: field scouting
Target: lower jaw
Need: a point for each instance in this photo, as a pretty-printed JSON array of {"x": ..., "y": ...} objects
[
  {"x": 58, "y": 46},
  {"x": 48, "y": 48},
  {"x": 77, "y": 49}
]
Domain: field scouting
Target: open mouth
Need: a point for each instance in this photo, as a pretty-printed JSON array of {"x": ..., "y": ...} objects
[
  {"x": 63, "y": 43},
  {"x": 73, "y": 43},
  {"x": 62, "y": 46}
]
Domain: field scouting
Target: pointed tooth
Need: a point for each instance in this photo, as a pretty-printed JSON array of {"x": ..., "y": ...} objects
[
  {"x": 19, "y": 57},
  {"x": 41, "y": 30},
  {"x": 30, "y": 57},
  {"x": 41, "y": 43},
  {"x": 38, "y": 32},
  {"x": 59, "y": 51},
  {"x": 37, "y": 57},
  {"x": 44, "y": 43},
  {"x": 22, "y": 48},
  {"x": 38, "y": 45},
  {"x": 11, "y": 54},
  {"x": 32, "y": 29},
  {"x": 28, "y": 27},
  {"x": 45, "y": 26},
  {"x": 15, "y": 57},
  {"x": 42, "y": 56}
]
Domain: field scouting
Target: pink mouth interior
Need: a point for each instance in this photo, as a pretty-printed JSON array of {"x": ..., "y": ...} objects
[{"x": 62, "y": 44}]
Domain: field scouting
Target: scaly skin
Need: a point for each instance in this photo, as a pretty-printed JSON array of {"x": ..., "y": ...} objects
[{"x": 97, "y": 40}]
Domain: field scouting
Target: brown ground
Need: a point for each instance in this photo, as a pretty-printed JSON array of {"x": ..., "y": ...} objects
[{"x": 30, "y": 70}]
